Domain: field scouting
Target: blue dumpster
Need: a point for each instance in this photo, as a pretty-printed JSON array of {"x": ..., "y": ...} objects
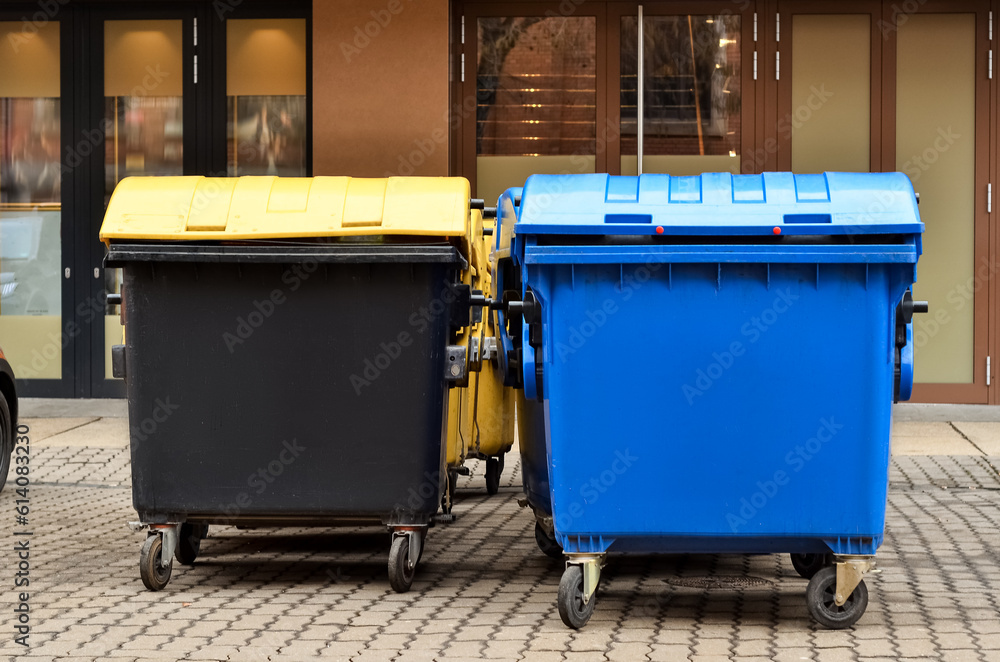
[{"x": 711, "y": 363}]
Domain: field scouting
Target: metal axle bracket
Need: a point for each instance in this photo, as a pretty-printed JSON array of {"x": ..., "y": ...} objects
[
  {"x": 850, "y": 572},
  {"x": 415, "y": 546},
  {"x": 169, "y": 536},
  {"x": 592, "y": 564}
]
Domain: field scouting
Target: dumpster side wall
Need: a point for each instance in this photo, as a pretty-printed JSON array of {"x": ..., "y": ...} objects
[{"x": 258, "y": 391}]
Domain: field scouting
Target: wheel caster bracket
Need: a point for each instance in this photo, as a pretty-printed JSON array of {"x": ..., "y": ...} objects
[
  {"x": 591, "y": 566},
  {"x": 415, "y": 539},
  {"x": 850, "y": 572},
  {"x": 169, "y": 535}
]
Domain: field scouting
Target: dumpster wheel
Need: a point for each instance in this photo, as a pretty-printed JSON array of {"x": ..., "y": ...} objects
[
  {"x": 189, "y": 542},
  {"x": 403, "y": 563},
  {"x": 821, "y": 597},
  {"x": 808, "y": 565},
  {"x": 494, "y": 467},
  {"x": 154, "y": 573},
  {"x": 549, "y": 546},
  {"x": 573, "y": 610}
]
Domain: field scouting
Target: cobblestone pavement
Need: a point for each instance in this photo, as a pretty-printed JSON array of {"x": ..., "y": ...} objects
[{"x": 483, "y": 590}]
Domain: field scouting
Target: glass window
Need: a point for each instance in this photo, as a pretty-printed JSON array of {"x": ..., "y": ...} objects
[
  {"x": 536, "y": 82},
  {"x": 691, "y": 94},
  {"x": 30, "y": 195},
  {"x": 266, "y": 90}
]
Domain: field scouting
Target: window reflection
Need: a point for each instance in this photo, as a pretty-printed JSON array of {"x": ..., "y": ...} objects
[
  {"x": 267, "y": 135},
  {"x": 145, "y": 137},
  {"x": 30, "y": 171},
  {"x": 536, "y": 83},
  {"x": 692, "y": 85}
]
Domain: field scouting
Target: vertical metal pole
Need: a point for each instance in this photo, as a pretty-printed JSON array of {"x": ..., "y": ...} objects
[
  {"x": 116, "y": 142},
  {"x": 236, "y": 135},
  {"x": 640, "y": 110}
]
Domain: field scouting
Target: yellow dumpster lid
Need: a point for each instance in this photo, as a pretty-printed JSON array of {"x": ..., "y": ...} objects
[{"x": 219, "y": 208}]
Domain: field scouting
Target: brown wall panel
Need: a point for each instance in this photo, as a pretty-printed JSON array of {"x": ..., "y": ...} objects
[{"x": 380, "y": 87}]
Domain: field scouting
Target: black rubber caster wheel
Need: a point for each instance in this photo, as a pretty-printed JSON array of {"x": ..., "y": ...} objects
[
  {"x": 548, "y": 545},
  {"x": 154, "y": 573},
  {"x": 572, "y": 611},
  {"x": 808, "y": 565},
  {"x": 400, "y": 571},
  {"x": 820, "y": 596},
  {"x": 6, "y": 441},
  {"x": 448, "y": 498},
  {"x": 189, "y": 542},
  {"x": 494, "y": 467}
]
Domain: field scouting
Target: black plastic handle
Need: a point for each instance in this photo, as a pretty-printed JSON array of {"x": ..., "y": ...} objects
[{"x": 114, "y": 299}]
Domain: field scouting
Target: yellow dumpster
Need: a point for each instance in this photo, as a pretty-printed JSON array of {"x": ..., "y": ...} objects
[{"x": 480, "y": 415}]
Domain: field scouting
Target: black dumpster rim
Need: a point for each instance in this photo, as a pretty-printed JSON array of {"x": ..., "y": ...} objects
[{"x": 120, "y": 254}]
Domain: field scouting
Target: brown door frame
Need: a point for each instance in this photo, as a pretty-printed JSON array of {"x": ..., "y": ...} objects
[
  {"x": 464, "y": 130},
  {"x": 787, "y": 9},
  {"x": 748, "y": 107},
  {"x": 977, "y": 392},
  {"x": 994, "y": 142},
  {"x": 994, "y": 291}
]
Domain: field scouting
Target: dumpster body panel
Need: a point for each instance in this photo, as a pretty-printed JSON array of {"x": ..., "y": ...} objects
[
  {"x": 289, "y": 346},
  {"x": 773, "y": 399},
  {"x": 711, "y": 363},
  {"x": 290, "y": 422}
]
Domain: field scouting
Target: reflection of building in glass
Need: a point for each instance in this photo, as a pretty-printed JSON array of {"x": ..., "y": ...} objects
[
  {"x": 145, "y": 136},
  {"x": 537, "y": 86},
  {"x": 30, "y": 171},
  {"x": 267, "y": 135},
  {"x": 692, "y": 91}
]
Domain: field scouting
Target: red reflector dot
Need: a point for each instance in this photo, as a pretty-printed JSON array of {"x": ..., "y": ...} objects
[
  {"x": 777, "y": 230},
  {"x": 659, "y": 230}
]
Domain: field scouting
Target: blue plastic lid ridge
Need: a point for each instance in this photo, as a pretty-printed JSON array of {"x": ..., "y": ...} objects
[{"x": 832, "y": 203}]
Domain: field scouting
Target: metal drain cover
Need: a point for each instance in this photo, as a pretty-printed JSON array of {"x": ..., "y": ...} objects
[{"x": 730, "y": 583}]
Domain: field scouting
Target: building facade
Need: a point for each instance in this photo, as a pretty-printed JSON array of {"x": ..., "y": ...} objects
[{"x": 91, "y": 92}]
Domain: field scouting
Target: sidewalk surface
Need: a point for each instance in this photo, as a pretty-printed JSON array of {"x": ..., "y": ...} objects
[{"x": 483, "y": 590}]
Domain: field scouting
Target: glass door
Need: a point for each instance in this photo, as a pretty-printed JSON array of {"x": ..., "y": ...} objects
[
  {"x": 685, "y": 88},
  {"x": 146, "y": 99},
  {"x": 33, "y": 271}
]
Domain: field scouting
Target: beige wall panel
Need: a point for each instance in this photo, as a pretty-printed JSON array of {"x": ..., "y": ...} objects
[
  {"x": 831, "y": 93},
  {"x": 143, "y": 58},
  {"x": 496, "y": 174},
  {"x": 266, "y": 57},
  {"x": 33, "y": 345},
  {"x": 29, "y": 61},
  {"x": 935, "y": 134}
]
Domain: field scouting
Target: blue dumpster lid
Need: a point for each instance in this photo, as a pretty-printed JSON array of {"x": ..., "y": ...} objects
[{"x": 833, "y": 203}]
